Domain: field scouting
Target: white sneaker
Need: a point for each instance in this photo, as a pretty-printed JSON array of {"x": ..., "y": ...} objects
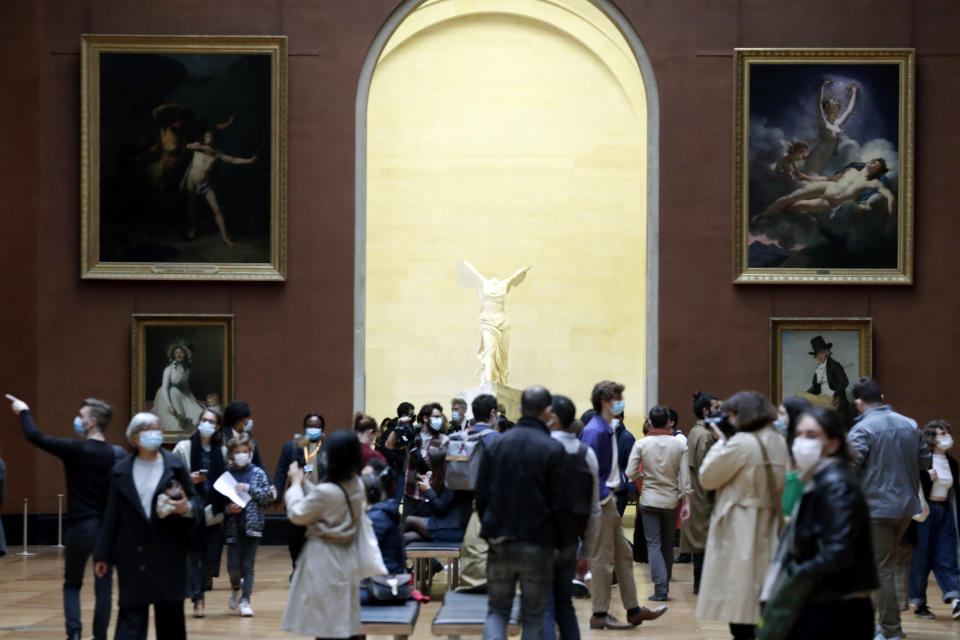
[
  {"x": 234, "y": 600},
  {"x": 245, "y": 609}
]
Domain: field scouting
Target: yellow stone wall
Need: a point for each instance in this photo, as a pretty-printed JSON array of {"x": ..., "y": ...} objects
[{"x": 506, "y": 133}]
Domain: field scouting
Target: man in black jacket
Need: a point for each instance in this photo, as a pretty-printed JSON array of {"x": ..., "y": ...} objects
[
  {"x": 87, "y": 461},
  {"x": 519, "y": 501}
]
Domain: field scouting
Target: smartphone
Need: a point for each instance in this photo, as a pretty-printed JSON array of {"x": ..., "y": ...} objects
[{"x": 202, "y": 471}]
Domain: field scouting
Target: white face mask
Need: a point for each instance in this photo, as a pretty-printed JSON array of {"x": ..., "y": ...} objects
[
  {"x": 806, "y": 452},
  {"x": 241, "y": 459},
  {"x": 945, "y": 442}
]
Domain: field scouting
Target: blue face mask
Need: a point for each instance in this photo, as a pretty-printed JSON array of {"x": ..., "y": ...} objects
[
  {"x": 455, "y": 416},
  {"x": 78, "y": 427},
  {"x": 206, "y": 429},
  {"x": 780, "y": 426},
  {"x": 314, "y": 433},
  {"x": 248, "y": 426},
  {"x": 617, "y": 407},
  {"x": 436, "y": 423},
  {"x": 151, "y": 440}
]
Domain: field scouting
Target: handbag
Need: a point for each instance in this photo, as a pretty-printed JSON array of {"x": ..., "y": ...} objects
[
  {"x": 390, "y": 588},
  {"x": 784, "y": 593},
  {"x": 369, "y": 558}
]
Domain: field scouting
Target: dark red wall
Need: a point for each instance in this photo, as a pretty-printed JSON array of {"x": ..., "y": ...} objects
[{"x": 64, "y": 339}]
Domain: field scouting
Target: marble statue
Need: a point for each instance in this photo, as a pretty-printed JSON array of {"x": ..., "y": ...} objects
[{"x": 494, "y": 327}]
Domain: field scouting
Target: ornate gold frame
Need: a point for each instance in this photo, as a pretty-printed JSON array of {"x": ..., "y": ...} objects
[
  {"x": 778, "y": 325},
  {"x": 744, "y": 58},
  {"x": 90, "y": 264},
  {"x": 138, "y": 342}
]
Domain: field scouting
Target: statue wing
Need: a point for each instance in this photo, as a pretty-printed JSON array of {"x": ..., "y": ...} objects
[
  {"x": 517, "y": 278},
  {"x": 469, "y": 277}
]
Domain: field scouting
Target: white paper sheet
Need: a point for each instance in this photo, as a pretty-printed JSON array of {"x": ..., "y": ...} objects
[{"x": 227, "y": 485}]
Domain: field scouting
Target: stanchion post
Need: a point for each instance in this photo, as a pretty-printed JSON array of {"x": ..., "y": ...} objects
[
  {"x": 59, "y": 521},
  {"x": 25, "y": 552}
]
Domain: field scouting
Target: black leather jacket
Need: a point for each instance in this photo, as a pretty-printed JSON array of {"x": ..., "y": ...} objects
[{"x": 832, "y": 537}]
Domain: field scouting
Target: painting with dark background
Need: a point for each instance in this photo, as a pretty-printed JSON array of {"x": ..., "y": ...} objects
[
  {"x": 787, "y": 108},
  {"x": 152, "y": 105},
  {"x": 207, "y": 372}
]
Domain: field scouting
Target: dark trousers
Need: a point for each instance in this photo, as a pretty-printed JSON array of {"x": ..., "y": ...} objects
[
  {"x": 835, "y": 620},
  {"x": 658, "y": 527},
  {"x": 241, "y": 556},
  {"x": 697, "y": 570},
  {"x": 509, "y": 563},
  {"x": 560, "y": 611},
  {"x": 205, "y": 548},
  {"x": 743, "y": 631},
  {"x": 886, "y": 534},
  {"x": 936, "y": 550},
  {"x": 167, "y": 621},
  {"x": 79, "y": 544},
  {"x": 296, "y": 538}
]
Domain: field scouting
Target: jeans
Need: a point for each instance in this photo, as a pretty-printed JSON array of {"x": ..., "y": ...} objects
[
  {"x": 508, "y": 563},
  {"x": 936, "y": 549},
  {"x": 205, "y": 545},
  {"x": 658, "y": 527},
  {"x": 240, "y": 558},
  {"x": 167, "y": 621},
  {"x": 79, "y": 544},
  {"x": 560, "y": 602},
  {"x": 886, "y": 534}
]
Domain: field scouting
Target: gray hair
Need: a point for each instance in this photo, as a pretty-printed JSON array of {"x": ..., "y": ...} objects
[{"x": 137, "y": 424}]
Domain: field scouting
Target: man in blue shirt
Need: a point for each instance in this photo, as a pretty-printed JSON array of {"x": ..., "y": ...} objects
[{"x": 611, "y": 551}]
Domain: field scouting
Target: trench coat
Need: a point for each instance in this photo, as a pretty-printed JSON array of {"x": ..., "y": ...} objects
[
  {"x": 324, "y": 597},
  {"x": 693, "y": 532},
  {"x": 744, "y": 526}
]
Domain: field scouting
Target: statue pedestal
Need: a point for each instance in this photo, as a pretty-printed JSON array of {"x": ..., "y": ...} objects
[{"x": 509, "y": 396}]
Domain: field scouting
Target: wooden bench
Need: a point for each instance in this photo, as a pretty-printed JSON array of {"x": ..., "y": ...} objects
[
  {"x": 395, "y": 620},
  {"x": 423, "y": 552},
  {"x": 463, "y": 614}
]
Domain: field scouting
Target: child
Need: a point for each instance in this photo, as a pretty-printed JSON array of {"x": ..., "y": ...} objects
[{"x": 243, "y": 526}]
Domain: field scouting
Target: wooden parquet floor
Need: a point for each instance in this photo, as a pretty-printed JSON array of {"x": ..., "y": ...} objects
[{"x": 31, "y": 605}]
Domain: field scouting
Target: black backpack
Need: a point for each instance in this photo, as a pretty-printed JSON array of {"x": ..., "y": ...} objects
[{"x": 578, "y": 489}]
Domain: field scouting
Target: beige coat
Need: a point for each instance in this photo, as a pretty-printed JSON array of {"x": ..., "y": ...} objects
[
  {"x": 693, "y": 533},
  {"x": 324, "y": 598},
  {"x": 743, "y": 527}
]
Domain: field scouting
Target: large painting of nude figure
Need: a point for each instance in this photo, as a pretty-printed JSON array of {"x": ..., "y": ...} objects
[
  {"x": 823, "y": 188},
  {"x": 184, "y": 157}
]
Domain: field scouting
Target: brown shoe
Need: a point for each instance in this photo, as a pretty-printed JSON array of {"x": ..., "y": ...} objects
[
  {"x": 646, "y": 614},
  {"x": 609, "y": 622}
]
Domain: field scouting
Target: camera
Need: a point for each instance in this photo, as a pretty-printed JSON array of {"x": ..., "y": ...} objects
[
  {"x": 719, "y": 418},
  {"x": 406, "y": 434}
]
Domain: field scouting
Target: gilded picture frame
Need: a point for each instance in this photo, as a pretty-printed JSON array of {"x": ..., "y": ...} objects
[
  {"x": 181, "y": 364},
  {"x": 823, "y": 166},
  {"x": 820, "y": 359},
  {"x": 183, "y": 157}
]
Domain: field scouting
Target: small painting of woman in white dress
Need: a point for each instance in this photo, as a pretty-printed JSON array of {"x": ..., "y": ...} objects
[{"x": 175, "y": 403}]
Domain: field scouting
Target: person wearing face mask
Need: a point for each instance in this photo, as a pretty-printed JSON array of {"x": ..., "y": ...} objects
[
  {"x": 431, "y": 438},
  {"x": 307, "y": 451},
  {"x": 747, "y": 473},
  {"x": 788, "y": 413},
  {"x": 204, "y": 454},
  {"x": 938, "y": 546},
  {"x": 611, "y": 551},
  {"x": 827, "y": 546},
  {"x": 458, "y": 415},
  {"x": 87, "y": 460},
  {"x": 243, "y": 526},
  {"x": 237, "y": 419},
  {"x": 151, "y": 511}
]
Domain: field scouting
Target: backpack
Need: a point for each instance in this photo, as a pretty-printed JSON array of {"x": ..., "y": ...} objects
[
  {"x": 463, "y": 459},
  {"x": 578, "y": 498}
]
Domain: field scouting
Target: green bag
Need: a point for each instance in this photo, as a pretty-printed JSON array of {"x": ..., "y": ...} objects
[{"x": 788, "y": 592}]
